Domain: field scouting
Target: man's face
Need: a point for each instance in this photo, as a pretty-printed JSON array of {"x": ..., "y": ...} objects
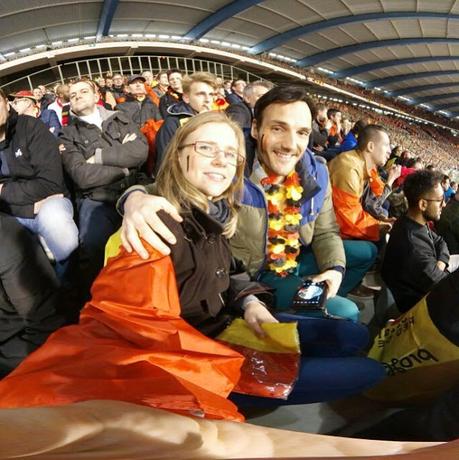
[
  {"x": 336, "y": 118},
  {"x": 379, "y": 149},
  {"x": 175, "y": 81},
  {"x": 137, "y": 88},
  {"x": 118, "y": 80},
  {"x": 37, "y": 94},
  {"x": 257, "y": 92},
  {"x": 321, "y": 116},
  {"x": 445, "y": 185},
  {"x": 24, "y": 106},
  {"x": 4, "y": 112},
  {"x": 109, "y": 82},
  {"x": 148, "y": 77},
  {"x": 283, "y": 136},
  {"x": 200, "y": 97},
  {"x": 82, "y": 98},
  {"x": 64, "y": 94},
  {"x": 163, "y": 80},
  {"x": 239, "y": 86},
  {"x": 433, "y": 204}
]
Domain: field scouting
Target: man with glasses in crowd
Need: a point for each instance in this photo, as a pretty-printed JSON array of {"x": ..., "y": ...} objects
[{"x": 416, "y": 257}]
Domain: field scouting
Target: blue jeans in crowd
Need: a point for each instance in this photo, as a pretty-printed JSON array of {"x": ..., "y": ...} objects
[
  {"x": 54, "y": 223},
  {"x": 97, "y": 222},
  {"x": 329, "y": 369},
  {"x": 360, "y": 256}
]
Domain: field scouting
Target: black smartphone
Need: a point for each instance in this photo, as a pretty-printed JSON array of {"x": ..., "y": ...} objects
[{"x": 310, "y": 296}]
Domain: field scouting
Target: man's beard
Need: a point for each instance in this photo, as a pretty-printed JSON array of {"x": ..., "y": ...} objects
[{"x": 429, "y": 217}]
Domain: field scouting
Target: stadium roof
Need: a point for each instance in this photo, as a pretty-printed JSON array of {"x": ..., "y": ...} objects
[{"x": 406, "y": 48}]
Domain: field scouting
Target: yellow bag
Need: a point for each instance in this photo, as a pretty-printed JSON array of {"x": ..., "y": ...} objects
[
  {"x": 420, "y": 350},
  {"x": 271, "y": 363}
]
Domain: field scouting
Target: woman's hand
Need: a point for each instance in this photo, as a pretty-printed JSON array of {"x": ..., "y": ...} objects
[{"x": 255, "y": 315}]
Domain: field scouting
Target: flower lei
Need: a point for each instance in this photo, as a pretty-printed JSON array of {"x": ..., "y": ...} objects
[{"x": 284, "y": 217}]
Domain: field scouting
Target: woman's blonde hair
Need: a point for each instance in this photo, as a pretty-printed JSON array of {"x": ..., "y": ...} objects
[{"x": 172, "y": 184}]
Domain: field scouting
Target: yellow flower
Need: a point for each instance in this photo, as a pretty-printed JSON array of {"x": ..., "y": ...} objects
[
  {"x": 277, "y": 248},
  {"x": 294, "y": 193},
  {"x": 276, "y": 224}
]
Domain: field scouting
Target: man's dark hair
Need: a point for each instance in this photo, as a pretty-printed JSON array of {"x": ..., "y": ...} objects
[
  {"x": 331, "y": 112},
  {"x": 282, "y": 95},
  {"x": 418, "y": 184},
  {"x": 171, "y": 71},
  {"x": 358, "y": 127},
  {"x": 445, "y": 178},
  {"x": 368, "y": 134}
]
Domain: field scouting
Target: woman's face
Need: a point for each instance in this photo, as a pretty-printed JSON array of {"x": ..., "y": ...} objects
[{"x": 213, "y": 169}]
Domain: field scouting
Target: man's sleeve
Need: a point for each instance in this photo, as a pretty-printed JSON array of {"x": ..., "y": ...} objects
[
  {"x": 86, "y": 175},
  {"x": 46, "y": 161},
  {"x": 442, "y": 248},
  {"x": 353, "y": 220},
  {"x": 326, "y": 243},
  {"x": 130, "y": 154}
]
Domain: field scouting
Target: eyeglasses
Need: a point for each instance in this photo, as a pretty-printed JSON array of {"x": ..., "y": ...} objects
[
  {"x": 439, "y": 200},
  {"x": 211, "y": 150}
]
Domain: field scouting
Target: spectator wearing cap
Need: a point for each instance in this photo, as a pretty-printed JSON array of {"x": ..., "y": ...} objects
[
  {"x": 138, "y": 106},
  {"x": 25, "y": 103},
  {"x": 199, "y": 91},
  {"x": 61, "y": 105},
  {"x": 174, "y": 91},
  {"x": 32, "y": 184}
]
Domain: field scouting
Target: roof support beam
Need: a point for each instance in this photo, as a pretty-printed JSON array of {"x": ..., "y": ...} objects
[
  {"x": 451, "y": 105},
  {"x": 410, "y": 76},
  {"x": 221, "y": 15},
  {"x": 334, "y": 53},
  {"x": 105, "y": 19},
  {"x": 280, "y": 39},
  {"x": 419, "y": 88},
  {"x": 436, "y": 97},
  {"x": 351, "y": 71}
]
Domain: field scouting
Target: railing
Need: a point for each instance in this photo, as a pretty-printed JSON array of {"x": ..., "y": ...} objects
[{"x": 126, "y": 65}]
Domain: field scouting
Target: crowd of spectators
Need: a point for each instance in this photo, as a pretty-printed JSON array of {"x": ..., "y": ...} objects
[{"x": 67, "y": 178}]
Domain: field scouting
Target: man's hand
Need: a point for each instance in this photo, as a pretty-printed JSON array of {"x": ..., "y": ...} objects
[
  {"x": 441, "y": 265},
  {"x": 333, "y": 279},
  {"x": 91, "y": 160},
  {"x": 141, "y": 220},
  {"x": 37, "y": 206},
  {"x": 384, "y": 228},
  {"x": 393, "y": 174},
  {"x": 129, "y": 138},
  {"x": 255, "y": 315}
]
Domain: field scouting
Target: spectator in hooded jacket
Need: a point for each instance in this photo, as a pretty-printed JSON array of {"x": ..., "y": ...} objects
[
  {"x": 102, "y": 151},
  {"x": 199, "y": 91},
  {"x": 32, "y": 185}
]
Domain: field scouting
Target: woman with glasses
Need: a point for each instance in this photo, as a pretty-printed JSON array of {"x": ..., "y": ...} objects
[{"x": 138, "y": 337}]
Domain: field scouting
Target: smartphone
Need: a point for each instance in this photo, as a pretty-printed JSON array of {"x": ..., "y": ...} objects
[{"x": 310, "y": 296}]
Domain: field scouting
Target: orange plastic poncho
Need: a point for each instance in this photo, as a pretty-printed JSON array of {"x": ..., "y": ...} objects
[{"x": 131, "y": 345}]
